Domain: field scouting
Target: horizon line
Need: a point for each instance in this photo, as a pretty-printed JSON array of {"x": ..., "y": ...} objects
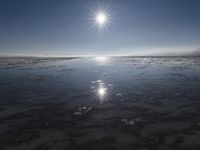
[{"x": 87, "y": 56}]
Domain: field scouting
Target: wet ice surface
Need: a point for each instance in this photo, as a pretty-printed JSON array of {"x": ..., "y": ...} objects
[{"x": 100, "y": 103}]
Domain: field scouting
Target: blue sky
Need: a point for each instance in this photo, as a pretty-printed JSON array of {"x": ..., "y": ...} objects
[{"x": 65, "y": 27}]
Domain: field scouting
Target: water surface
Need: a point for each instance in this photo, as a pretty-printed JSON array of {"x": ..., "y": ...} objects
[{"x": 100, "y": 103}]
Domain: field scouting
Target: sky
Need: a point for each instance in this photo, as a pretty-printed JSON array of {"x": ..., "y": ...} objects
[{"x": 67, "y": 27}]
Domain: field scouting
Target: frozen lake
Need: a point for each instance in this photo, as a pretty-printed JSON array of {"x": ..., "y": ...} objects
[{"x": 102, "y": 103}]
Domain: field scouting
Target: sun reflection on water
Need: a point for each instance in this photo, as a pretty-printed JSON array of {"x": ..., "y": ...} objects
[
  {"x": 101, "y": 91},
  {"x": 99, "y": 87},
  {"x": 101, "y": 60}
]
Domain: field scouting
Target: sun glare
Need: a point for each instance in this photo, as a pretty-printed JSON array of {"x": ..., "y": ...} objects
[{"x": 101, "y": 18}]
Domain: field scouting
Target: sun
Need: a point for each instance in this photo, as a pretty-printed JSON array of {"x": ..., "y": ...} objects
[{"x": 101, "y": 18}]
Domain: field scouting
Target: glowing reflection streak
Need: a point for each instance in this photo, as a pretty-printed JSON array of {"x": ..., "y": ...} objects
[{"x": 101, "y": 60}]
